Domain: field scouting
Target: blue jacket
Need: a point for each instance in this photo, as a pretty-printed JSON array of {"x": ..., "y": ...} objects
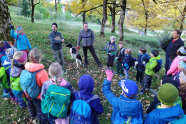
[
  {"x": 22, "y": 42},
  {"x": 123, "y": 107},
  {"x": 164, "y": 115},
  {"x": 86, "y": 86},
  {"x": 126, "y": 61},
  {"x": 111, "y": 48},
  {"x": 142, "y": 57}
]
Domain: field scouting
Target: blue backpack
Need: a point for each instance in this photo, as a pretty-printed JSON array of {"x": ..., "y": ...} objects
[
  {"x": 28, "y": 83},
  {"x": 132, "y": 62},
  {"x": 179, "y": 120},
  {"x": 81, "y": 111},
  {"x": 159, "y": 66}
]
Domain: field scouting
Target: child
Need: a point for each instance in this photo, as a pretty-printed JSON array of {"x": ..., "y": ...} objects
[
  {"x": 126, "y": 106},
  {"x": 111, "y": 51},
  {"x": 166, "y": 112},
  {"x": 22, "y": 42},
  {"x": 126, "y": 62},
  {"x": 86, "y": 86},
  {"x": 119, "y": 58},
  {"x": 55, "y": 72},
  {"x": 143, "y": 58},
  {"x": 34, "y": 105},
  {"x": 150, "y": 70},
  {"x": 18, "y": 62},
  {"x": 181, "y": 66},
  {"x": 174, "y": 66},
  {"x": 182, "y": 88}
]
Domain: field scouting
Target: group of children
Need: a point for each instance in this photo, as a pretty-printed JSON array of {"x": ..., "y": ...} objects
[{"x": 54, "y": 100}]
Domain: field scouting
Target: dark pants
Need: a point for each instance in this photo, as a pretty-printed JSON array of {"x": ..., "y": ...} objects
[
  {"x": 110, "y": 60},
  {"x": 153, "y": 104},
  {"x": 92, "y": 51},
  {"x": 34, "y": 108},
  {"x": 168, "y": 63},
  {"x": 139, "y": 76},
  {"x": 119, "y": 67},
  {"x": 146, "y": 82}
]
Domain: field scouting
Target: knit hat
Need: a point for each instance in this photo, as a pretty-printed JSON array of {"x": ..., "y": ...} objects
[
  {"x": 182, "y": 50},
  {"x": 182, "y": 76},
  {"x": 55, "y": 24},
  {"x": 10, "y": 52},
  {"x": 182, "y": 64},
  {"x": 20, "y": 57},
  {"x": 129, "y": 87},
  {"x": 2, "y": 46},
  {"x": 19, "y": 28},
  {"x": 155, "y": 53},
  {"x": 167, "y": 94}
]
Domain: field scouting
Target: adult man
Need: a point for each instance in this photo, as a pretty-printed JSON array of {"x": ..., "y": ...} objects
[
  {"x": 86, "y": 35},
  {"x": 56, "y": 40},
  {"x": 171, "y": 49}
]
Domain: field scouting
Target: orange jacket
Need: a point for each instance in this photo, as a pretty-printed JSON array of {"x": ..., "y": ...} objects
[{"x": 41, "y": 76}]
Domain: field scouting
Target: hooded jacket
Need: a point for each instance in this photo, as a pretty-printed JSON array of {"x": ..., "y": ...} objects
[
  {"x": 142, "y": 57},
  {"x": 41, "y": 76},
  {"x": 151, "y": 65},
  {"x": 111, "y": 48},
  {"x": 86, "y": 86},
  {"x": 123, "y": 107},
  {"x": 22, "y": 42},
  {"x": 164, "y": 115},
  {"x": 173, "y": 70}
]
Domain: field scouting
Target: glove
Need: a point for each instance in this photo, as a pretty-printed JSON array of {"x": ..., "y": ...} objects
[
  {"x": 12, "y": 27},
  {"x": 109, "y": 74}
]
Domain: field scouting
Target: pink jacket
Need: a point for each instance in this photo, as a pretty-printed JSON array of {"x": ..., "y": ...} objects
[{"x": 174, "y": 66}]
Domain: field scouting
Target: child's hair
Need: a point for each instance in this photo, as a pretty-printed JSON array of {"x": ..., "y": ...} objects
[
  {"x": 35, "y": 55},
  {"x": 128, "y": 51},
  {"x": 181, "y": 54},
  {"x": 113, "y": 38},
  {"x": 142, "y": 49},
  {"x": 55, "y": 70}
]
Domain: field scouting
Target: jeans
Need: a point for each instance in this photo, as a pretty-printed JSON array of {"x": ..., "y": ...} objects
[
  {"x": 153, "y": 104},
  {"x": 119, "y": 67},
  {"x": 126, "y": 73},
  {"x": 110, "y": 60},
  {"x": 34, "y": 108},
  {"x": 168, "y": 63},
  {"x": 139, "y": 76},
  {"x": 147, "y": 82},
  {"x": 92, "y": 51},
  {"x": 58, "y": 55}
]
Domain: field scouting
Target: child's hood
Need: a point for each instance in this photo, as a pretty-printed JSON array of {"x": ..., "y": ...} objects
[
  {"x": 33, "y": 67},
  {"x": 157, "y": 58},
  {"x": 86, "y": 86},
  {"x": 169, "y": 114},
  {"x": 130, "y": 107}
]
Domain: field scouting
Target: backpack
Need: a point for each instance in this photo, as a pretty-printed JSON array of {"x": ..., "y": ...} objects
[
  {"x": 0, "y": 58},
  {"x": 3, "y": 78},
  {"x": 159, "y": 66},
  {"x": 81, "y": 110},
  {"x": 56, "y": 101},
  {"x": 132, "y": 62},
  {"x": 179, "y": 120},
  {"x": 29, "y": 84}
]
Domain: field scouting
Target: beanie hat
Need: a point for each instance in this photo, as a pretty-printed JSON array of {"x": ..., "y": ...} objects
[
  {"x": 55, "y": 24},
  {"x": 2, "y": 46},
  {"x": 10, "y": 52},
  {"x": 182, "y": 76},
  {"x": 20, "y": 57},
  {"x": 155, "y": 53},
  {"x": 167, "y": 94},
  {"x": 19, "y": 28},
  {"x": 182, "y": 50},
  {"x": 182, "y": 64},
  {"x": 129, "y": 87}
]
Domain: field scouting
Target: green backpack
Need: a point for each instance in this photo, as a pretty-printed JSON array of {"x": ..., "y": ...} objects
[
  {"x": 3, "y": 78},
  {"x": 15, "y": 84},
  {"x": 56, "y": 101}
]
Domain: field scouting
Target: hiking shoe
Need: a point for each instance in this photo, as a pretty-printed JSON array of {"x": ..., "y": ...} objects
[{"x": 6, "y": 95}]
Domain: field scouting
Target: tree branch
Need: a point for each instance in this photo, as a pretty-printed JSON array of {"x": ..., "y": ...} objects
[{"x": 37, "y": 3}]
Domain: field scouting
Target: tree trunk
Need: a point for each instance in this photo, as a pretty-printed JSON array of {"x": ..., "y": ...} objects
[
  {"x": 104, "y": 19},
  {"x": 122, "y": 19},
  {"x": 32, "y": 14},
  {"x": 5, "y": 21},
  {"x": 113, "y": 14},
  {"x": 182, "y": 17},
  {"x": 56, "y": 6},
  {"x": 84, "y": 17},
  {"x": 146, "y": 17}
]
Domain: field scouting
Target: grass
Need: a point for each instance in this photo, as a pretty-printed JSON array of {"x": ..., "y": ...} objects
[{"x": 38, "y": 35}]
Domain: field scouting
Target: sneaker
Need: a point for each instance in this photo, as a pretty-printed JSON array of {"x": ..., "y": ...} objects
[
  {"x": 6, "y": 95},
  {"x": 34, "y": 121}
]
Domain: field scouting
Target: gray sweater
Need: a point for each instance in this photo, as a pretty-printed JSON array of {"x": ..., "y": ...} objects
[
  {"x": 55, "y": 44},
  {"x": 87, "y": 38}
]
